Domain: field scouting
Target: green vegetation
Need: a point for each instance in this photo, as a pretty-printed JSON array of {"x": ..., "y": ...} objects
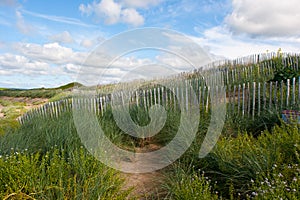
[
  {"x": 53, "y": 175},
  {"x": 39, "y": 92},
  {"x": 237, "y": 165},
  {"x": 255, "y": 157},
  {"x": 44, "y": 159}
]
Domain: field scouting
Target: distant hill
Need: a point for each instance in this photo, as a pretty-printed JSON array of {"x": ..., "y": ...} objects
[
  {"x": 69, "y": 86},
  {"x": 39, "y": 92}
]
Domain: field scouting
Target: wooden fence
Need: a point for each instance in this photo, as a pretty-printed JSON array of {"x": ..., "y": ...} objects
[{"x": 247, "y": 99}]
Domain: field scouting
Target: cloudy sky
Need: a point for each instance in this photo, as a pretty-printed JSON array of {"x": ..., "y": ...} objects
[{"x": 44, "y": 43}]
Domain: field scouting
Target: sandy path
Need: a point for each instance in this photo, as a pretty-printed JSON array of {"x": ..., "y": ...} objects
[
  {"x": 145, "y": 185},
  {"x": 1, "y": 114}
]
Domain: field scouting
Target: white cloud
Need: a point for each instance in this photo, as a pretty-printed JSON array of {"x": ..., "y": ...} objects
[
  {"x": 110, "y": 9},
  {"x": 22, "y": 26},
  {"x": 87, "y": 10},
  {"x": 141, "y": 4},
  {"x": 131, "y": 16},
  {"x": 112, "y": 12},
  {"x": 50, "y": 53},
  {"x": 265, "y": 18},
  {"x": 87, "y": 43},
  {"x": 60, "y": 19},
  {"x": 11, "y": 64},
  {"x": 64, "y": 37},
  {"x": 221, "y": 42}
]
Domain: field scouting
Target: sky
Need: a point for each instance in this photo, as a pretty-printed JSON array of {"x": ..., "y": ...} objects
[{"x": 46, "y": 43}]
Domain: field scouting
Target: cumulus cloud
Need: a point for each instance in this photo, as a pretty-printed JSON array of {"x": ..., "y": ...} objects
[
  {"x": 16, "y": 64},
  {"x": 50, "y": 53},
  {"x": 64, "y": 37},
  {"x": 141, "y": 4},
  {"x": 265, "y": 18},
  {"x": 131, "y": 16},
  {"x": 221, "y": 42},
  {"x": 110, "y": 9},
  {"x": 112, "y": 12}
]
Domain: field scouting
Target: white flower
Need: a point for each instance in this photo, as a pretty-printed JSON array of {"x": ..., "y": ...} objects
[{"x": 254, "y": 193}]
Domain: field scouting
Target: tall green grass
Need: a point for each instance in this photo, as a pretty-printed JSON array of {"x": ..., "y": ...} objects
[
  {"x": 238, "y": 163},
  {"x": 53, "y": 175},
  {"x": 44, "y": 159}
]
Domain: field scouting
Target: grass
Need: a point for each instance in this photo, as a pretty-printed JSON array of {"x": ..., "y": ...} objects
[
  {"x": 236, "y": 166},
  {"x": 52, "y": 175},
  {"x": 44, "y": 159}
]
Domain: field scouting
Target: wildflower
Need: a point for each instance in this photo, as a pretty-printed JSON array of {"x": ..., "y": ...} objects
[
  {"x": 280, "y": 175},
  {"x": 294, "y": 190},
  {"x": 294, "y": 179},
  {"x": 254, "y": 193},
  {"x": 252, "y": 181}
]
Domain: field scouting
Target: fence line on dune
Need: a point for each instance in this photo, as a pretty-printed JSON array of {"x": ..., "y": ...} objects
[{"x": 246, "y": 99}]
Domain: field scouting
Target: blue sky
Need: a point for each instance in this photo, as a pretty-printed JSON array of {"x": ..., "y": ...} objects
[{"x": 43, "y": 43}]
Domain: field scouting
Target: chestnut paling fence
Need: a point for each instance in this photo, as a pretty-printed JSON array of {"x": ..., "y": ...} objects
[
  {"x": 245, "y": 80},
  {"x": 247, "y": 99}
]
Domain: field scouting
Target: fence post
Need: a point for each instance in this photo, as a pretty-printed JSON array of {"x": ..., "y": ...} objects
[
  {"x": 253, "y": 104},
  {"x": 288, "y": 93},
  {"x": 207, "y": 98},
  {"x": 298, "y": 88},
  {"x": 258, "y": 98},
  {"x": 186, "y": 95},
  {"x": 239, "y": 98},
  {"x": 249, "y": 98},
  {"x": 164, "y": 97},
  {"x": 101, "y": 105},
  {"x": 293, "y": 91},
  {"x": 154, "y": 96},
  {"x": 243, "y": 107},
  {"x": 137, "y": 98},
  {"x": 264, "y": 95},
  {"x": 144, "y": 98},
  {"x": 151, "y": 98},
  {"x": 178, "y": 97},
  {"x": 270, "y": 95},
  {"x": 158, "y": 95}
]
